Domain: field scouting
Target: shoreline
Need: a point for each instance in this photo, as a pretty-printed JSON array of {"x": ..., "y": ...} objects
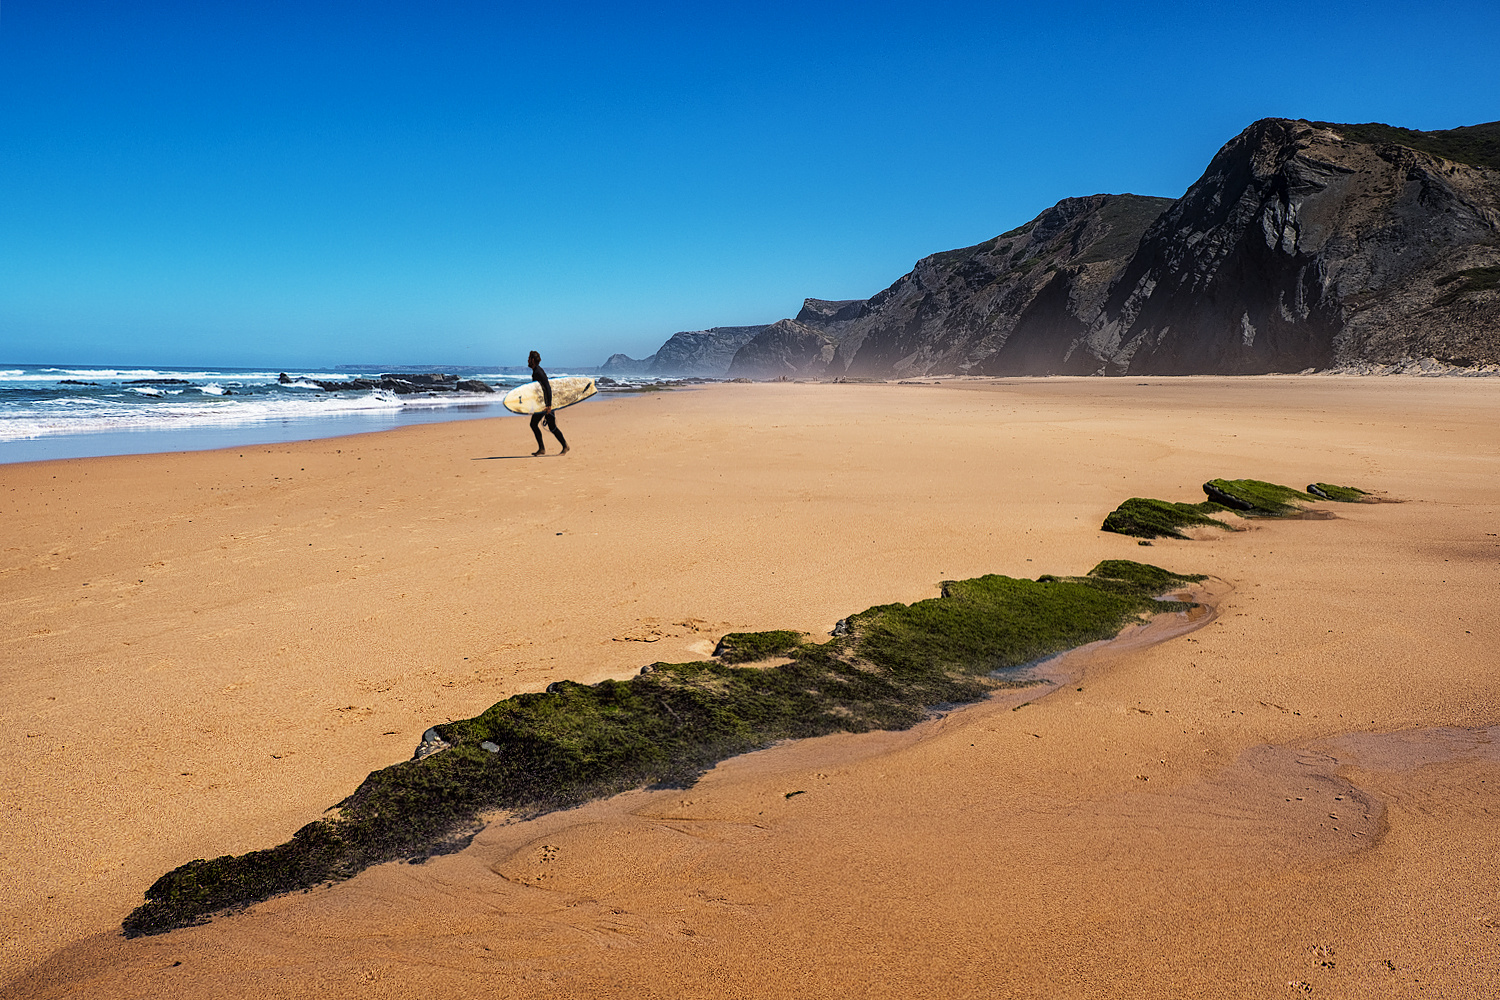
[
  {"x": 157, "y": 441},
  {"x": 256, "y": 634},
  {"x": 129, "y": 441}
]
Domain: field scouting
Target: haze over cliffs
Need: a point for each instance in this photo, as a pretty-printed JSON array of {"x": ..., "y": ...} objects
[
  {"x": 692, "y": 352},
  {"x": 1303, "y": 245}
]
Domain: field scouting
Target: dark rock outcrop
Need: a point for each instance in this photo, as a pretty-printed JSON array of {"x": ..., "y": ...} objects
[{"x": 408, "y": 383}]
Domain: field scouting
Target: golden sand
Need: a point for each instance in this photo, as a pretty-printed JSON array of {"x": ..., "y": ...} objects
[{"x": 204, "y": 651}]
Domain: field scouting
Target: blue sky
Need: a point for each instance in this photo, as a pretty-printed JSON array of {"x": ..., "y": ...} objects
[{"x": 312, "y": 183}]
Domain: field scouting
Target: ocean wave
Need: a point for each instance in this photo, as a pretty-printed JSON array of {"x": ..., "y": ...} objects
[
  {"x": 48, "y": 373},
  {"x": 103, "y": 415},
  {"x": 194, "y": 375}
]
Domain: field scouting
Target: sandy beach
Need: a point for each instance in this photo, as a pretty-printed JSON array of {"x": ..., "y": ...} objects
[{"x": 204, "y": 651}]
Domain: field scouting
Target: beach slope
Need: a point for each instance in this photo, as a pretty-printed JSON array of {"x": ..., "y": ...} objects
[{"x": 205, "y": 651}]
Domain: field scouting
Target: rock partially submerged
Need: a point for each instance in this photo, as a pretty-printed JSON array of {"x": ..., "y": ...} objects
[{"x": 404, "y": 383}]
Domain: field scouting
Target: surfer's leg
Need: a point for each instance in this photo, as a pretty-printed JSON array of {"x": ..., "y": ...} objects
[
  {"x": 536, "y": 428},
  {"x": 552, "y": 426}
]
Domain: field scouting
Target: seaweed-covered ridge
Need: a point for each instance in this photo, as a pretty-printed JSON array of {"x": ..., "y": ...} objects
[
  {"x": 888, "y": 668},
  {"x": 1143, "y": 517}
]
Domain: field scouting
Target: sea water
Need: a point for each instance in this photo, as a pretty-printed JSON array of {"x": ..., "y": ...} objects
[{"x": 72, "y": 411}]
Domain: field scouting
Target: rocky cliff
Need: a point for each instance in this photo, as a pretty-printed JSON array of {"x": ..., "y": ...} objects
[
  {"x": 704, "y": 353},
  {"x": 786, "y": 347},
  {"x": 1020, "y": 303},
  {"x": 1312, "y": 245},
  {"x": 1303, "y": 245}
]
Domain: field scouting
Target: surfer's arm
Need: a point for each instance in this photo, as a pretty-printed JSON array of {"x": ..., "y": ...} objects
[{"x": 546, "y": 385}]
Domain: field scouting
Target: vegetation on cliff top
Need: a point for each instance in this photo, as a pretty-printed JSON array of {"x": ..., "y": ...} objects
[
  {"x": 889, "y": 667},
  {"x": 1476, "y": 145}
]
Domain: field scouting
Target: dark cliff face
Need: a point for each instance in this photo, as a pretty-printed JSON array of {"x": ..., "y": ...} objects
[
  {"x": 1038, "y": 286},
  {"x": 1221, "y": 282},
  {"x": 1303, "y": 248},
  {"x": 1050, "y": 336},
  {"x": 1015, "y": 304}
]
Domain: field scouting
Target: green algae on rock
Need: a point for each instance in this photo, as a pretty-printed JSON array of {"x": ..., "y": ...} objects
[
  {"x": 1146, "y": 518},
  {"x": 1255, "y": 497},
  {"x": 1340, "y": 494},
  {"x": 1143, "y": 517},
  {"x": 746, "y": 647},
  {"x": 889, "y": 667}
]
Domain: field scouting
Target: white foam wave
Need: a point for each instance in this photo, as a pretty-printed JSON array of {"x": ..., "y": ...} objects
[
  {"x": 110, "y": 373},
  {"x": 212, "y": 389},
  {"x": 96, "y": 374},
  {"x": 102, "y": 416}
]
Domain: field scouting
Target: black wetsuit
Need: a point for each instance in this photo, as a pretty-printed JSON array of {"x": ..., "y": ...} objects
[{"x": 540, "y": 377}]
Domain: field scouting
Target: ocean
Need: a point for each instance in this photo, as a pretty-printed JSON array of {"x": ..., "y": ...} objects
[{"x": 73, "y": 411}]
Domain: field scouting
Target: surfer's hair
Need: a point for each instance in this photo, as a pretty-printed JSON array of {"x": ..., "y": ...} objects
[{"x": 533, "y": 358}]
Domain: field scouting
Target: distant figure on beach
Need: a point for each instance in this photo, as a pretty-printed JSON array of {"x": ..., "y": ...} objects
[{"x": 540, "y": 377}]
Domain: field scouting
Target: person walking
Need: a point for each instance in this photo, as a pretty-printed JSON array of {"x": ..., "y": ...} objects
[{"x": 545, "y": 414}]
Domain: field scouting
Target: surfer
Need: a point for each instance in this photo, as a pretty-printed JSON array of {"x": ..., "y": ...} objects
[{"x": 545, "y": 414}]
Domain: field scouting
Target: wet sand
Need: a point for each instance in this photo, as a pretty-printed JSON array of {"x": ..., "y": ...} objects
[{"x": 204, "y": 651}]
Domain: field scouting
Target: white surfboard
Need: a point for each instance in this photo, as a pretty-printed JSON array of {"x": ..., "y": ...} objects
[{"x": 566, "y": 391}]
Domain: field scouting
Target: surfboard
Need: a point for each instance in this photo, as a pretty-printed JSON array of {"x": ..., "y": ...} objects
[{"x": 566, "y": 391}]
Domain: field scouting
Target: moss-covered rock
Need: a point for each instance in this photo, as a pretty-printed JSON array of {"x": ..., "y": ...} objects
[
  {"x": 747, "y": 647},
  {"x": 1146, "y": 518},
  {"x": 1341, "y": 494},
  {"x": 668, "y": 725},
  {"x": 1255, "y": 497}
]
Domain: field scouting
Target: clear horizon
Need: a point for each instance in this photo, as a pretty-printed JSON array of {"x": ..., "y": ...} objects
[{"x": 273, "y": 185}]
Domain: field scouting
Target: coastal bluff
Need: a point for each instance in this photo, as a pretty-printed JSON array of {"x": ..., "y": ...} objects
[{"x": 1303, "y": 246}]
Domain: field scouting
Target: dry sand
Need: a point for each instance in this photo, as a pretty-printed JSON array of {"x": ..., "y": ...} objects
[{"x": 203, "y": 651}]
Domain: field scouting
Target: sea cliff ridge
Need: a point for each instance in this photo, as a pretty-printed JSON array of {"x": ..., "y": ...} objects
[{"x": 1303, "y": 246}]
